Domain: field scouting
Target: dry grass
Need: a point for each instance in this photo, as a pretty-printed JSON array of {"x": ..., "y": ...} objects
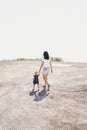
[{"x": 63, "y": 108}]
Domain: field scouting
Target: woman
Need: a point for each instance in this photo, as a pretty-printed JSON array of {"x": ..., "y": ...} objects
[{"x": 47, "y": 66}]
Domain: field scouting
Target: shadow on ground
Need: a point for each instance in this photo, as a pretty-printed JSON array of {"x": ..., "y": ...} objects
[{"x": 38, "y": 96}]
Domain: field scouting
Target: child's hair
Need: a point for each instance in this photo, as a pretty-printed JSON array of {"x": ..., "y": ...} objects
[
  {"x": 36, "y": 72},
  {"x": 46, "y": 55}
]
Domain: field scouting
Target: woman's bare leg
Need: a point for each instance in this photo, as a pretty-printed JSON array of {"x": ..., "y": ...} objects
[
  {"x": 47, "y": 82},
  {"x": 45, "y": 78}
]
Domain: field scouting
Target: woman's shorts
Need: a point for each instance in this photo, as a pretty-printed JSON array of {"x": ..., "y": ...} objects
[{"x": 45, "y": 70}]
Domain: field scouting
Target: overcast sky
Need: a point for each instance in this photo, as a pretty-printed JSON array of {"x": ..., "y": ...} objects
[{"x": 28, "y": 27}]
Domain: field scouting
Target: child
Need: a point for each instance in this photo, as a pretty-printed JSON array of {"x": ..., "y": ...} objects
[
  {"x": 47, "y": 65},
  {"x": 36, "y": 80}
]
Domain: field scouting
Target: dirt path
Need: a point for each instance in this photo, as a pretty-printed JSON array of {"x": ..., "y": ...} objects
[{"x": 63, "y": 108}]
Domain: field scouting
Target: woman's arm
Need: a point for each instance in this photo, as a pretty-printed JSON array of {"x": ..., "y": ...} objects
[
  {"x": 51, "y": 67},
  {"x": 41, "y": 66}
]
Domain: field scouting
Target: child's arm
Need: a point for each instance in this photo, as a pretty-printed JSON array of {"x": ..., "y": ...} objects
[{"x": 33, "y": 78}]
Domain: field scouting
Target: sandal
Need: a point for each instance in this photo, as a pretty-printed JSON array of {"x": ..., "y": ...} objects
[
  {"x": 48, "y": 87},
  {"x": 44, "y": 87}
]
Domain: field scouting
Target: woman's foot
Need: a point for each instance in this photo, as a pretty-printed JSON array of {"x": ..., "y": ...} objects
[
  {"x": 48, "y": 88},
  {"x": 44, "y": 87}
]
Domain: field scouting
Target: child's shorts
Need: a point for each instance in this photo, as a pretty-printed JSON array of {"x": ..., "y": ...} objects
[
  {"x": 45, "y": 70},
  {"x": 36, "y": 82}
]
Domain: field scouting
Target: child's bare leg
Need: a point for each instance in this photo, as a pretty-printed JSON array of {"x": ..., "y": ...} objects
[
  {"x": 38, "y": 86},
  {"x": 33, "y": 86}
]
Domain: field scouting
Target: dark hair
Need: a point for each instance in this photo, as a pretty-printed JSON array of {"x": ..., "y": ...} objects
[{"x": 46, "y": 55}]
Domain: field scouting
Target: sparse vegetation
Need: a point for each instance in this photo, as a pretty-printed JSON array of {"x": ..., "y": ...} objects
[
  {"x": 31, "y": 59},
  {"x": 58, "y": 59}
]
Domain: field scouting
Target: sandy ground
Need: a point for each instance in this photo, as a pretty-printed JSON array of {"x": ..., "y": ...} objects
[{"x": 64, "y": 107}]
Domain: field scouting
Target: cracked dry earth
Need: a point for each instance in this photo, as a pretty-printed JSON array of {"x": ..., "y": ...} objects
[{"x": 64, "y": 107}]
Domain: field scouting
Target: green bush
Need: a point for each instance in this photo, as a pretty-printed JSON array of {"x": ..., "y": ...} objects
[{"x": 56, "y": 59}]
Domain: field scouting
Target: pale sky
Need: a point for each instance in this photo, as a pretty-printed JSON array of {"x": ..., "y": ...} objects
[{"x": 28, "y": 27}]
